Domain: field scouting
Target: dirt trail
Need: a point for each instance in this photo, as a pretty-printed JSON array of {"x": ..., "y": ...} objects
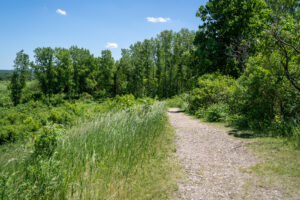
[{"x": 215, "y": 163}]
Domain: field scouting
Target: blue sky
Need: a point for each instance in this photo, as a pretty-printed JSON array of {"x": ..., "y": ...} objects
[{"x": 92, "y": 24}]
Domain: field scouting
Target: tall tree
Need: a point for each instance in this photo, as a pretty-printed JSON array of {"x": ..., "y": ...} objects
[
  {"x": 19, "y": 76},
  {"x": 227, "y": 36},
  {"x": 147, "y": 64},
  {"x": 125, "y": 73},
  {"x": 107, "y": 68},
  {"x": 165, "y": 38},
  {"x": 159, "y": 62},
  {"x": 44, "y": 69},
  {"x": 84, "y": 64},
  {"x": 65, "y": 72},
  {"x": 138, "y": 73}
]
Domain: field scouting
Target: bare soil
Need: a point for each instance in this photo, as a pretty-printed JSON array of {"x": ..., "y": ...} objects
[{"x": 216, "y": 164}]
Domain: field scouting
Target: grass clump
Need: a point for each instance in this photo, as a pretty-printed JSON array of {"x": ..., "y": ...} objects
[{"x": 119, "y": 155}]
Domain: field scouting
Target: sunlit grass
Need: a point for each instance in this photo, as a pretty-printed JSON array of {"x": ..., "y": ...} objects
[{"x": 279, "y": 164}]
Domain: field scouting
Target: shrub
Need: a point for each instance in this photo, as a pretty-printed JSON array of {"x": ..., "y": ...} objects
[
  {"x": 212, "y": 89},
  {"x": 46, "y": 141},
  {"x": 200, "y": 113},
  {"x": 216, "y": 113},
  {"x": 60, "y": 116},
  {"x": 31, "y": 124}
]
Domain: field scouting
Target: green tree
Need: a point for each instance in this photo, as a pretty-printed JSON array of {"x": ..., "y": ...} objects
[
  {"x": 147, "y": 50},
  {"x": 19, "y": 76},
  {"x": 138, "y": 72},
  {"x": 44, "y": 69},
  {"x": 165, "y": 39},
  {"x": 159, "y": 63},
  {"x": 282, "y": 36},
  {"x": 228, "y": 34},
  {"x": 106, "y": 73},
  {"x": 284, "y": 7},
  {"x": 65, "y": 72},
  {"x": 124, "y": 74},
  {"x": 85, "y": 68}
]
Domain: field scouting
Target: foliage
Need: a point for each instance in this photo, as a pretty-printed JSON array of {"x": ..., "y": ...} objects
[
  {"x": 212, "y": 89},
  {"x": 28, "y": 119},
  {"x": 19, "y": 76},
  {"x": 5, "y": 100},
  {"x": 282, "y": 38},
  {"x": 125, "y": 102},
  {"x": 228, "y": 34},
  {"x": 264, "y": 97},
  {"x": 45, "y": 142},
  {"x": 216, "y": 113}
]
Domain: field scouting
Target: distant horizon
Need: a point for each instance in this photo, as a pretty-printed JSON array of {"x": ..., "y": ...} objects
[{"x": 92, "y": 25}]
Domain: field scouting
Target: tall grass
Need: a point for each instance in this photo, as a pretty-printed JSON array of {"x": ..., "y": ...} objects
[{"x": 121, "y": 155}]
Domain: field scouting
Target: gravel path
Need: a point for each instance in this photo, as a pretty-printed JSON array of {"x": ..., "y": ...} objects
[{"x": 215, "y": 163}]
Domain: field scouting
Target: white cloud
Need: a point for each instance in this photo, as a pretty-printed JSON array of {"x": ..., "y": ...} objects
[
  {"x": 111, "y": 45},
  {"x": 158, "y": 19},
  {"x": 61, "y": 12}
]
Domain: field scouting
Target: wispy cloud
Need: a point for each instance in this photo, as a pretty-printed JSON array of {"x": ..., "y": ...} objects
[
  {"x": 61, "y": 12},
  {"x": 111, "y": 45},
  {"x": 158, "y": 19}
]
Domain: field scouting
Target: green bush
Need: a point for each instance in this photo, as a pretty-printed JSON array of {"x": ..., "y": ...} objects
[
  {"x": 46, "y": 141},
  {"x": 216, "y": 113},
  {"x": 212, "y": 89},
  {"x": 31, "y": 124},
  {"x": 60, "y": 116},
  {"x": 200, "y": 113}
]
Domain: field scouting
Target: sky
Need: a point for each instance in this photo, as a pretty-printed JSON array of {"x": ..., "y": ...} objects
[{"x": 92, "y": 24}]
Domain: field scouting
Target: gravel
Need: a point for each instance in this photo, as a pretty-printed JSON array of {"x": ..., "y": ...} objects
[{"x": 216, "y": 164}]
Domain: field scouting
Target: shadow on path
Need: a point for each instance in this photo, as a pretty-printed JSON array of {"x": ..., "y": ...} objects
[
  {"x": 176, "y": 111},
  {"x": 242, "y": 133}
]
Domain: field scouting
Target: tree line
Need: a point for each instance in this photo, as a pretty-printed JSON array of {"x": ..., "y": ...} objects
[
  {"x": 157, "y": 67},
  {"x": 5, "y": 75}
]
